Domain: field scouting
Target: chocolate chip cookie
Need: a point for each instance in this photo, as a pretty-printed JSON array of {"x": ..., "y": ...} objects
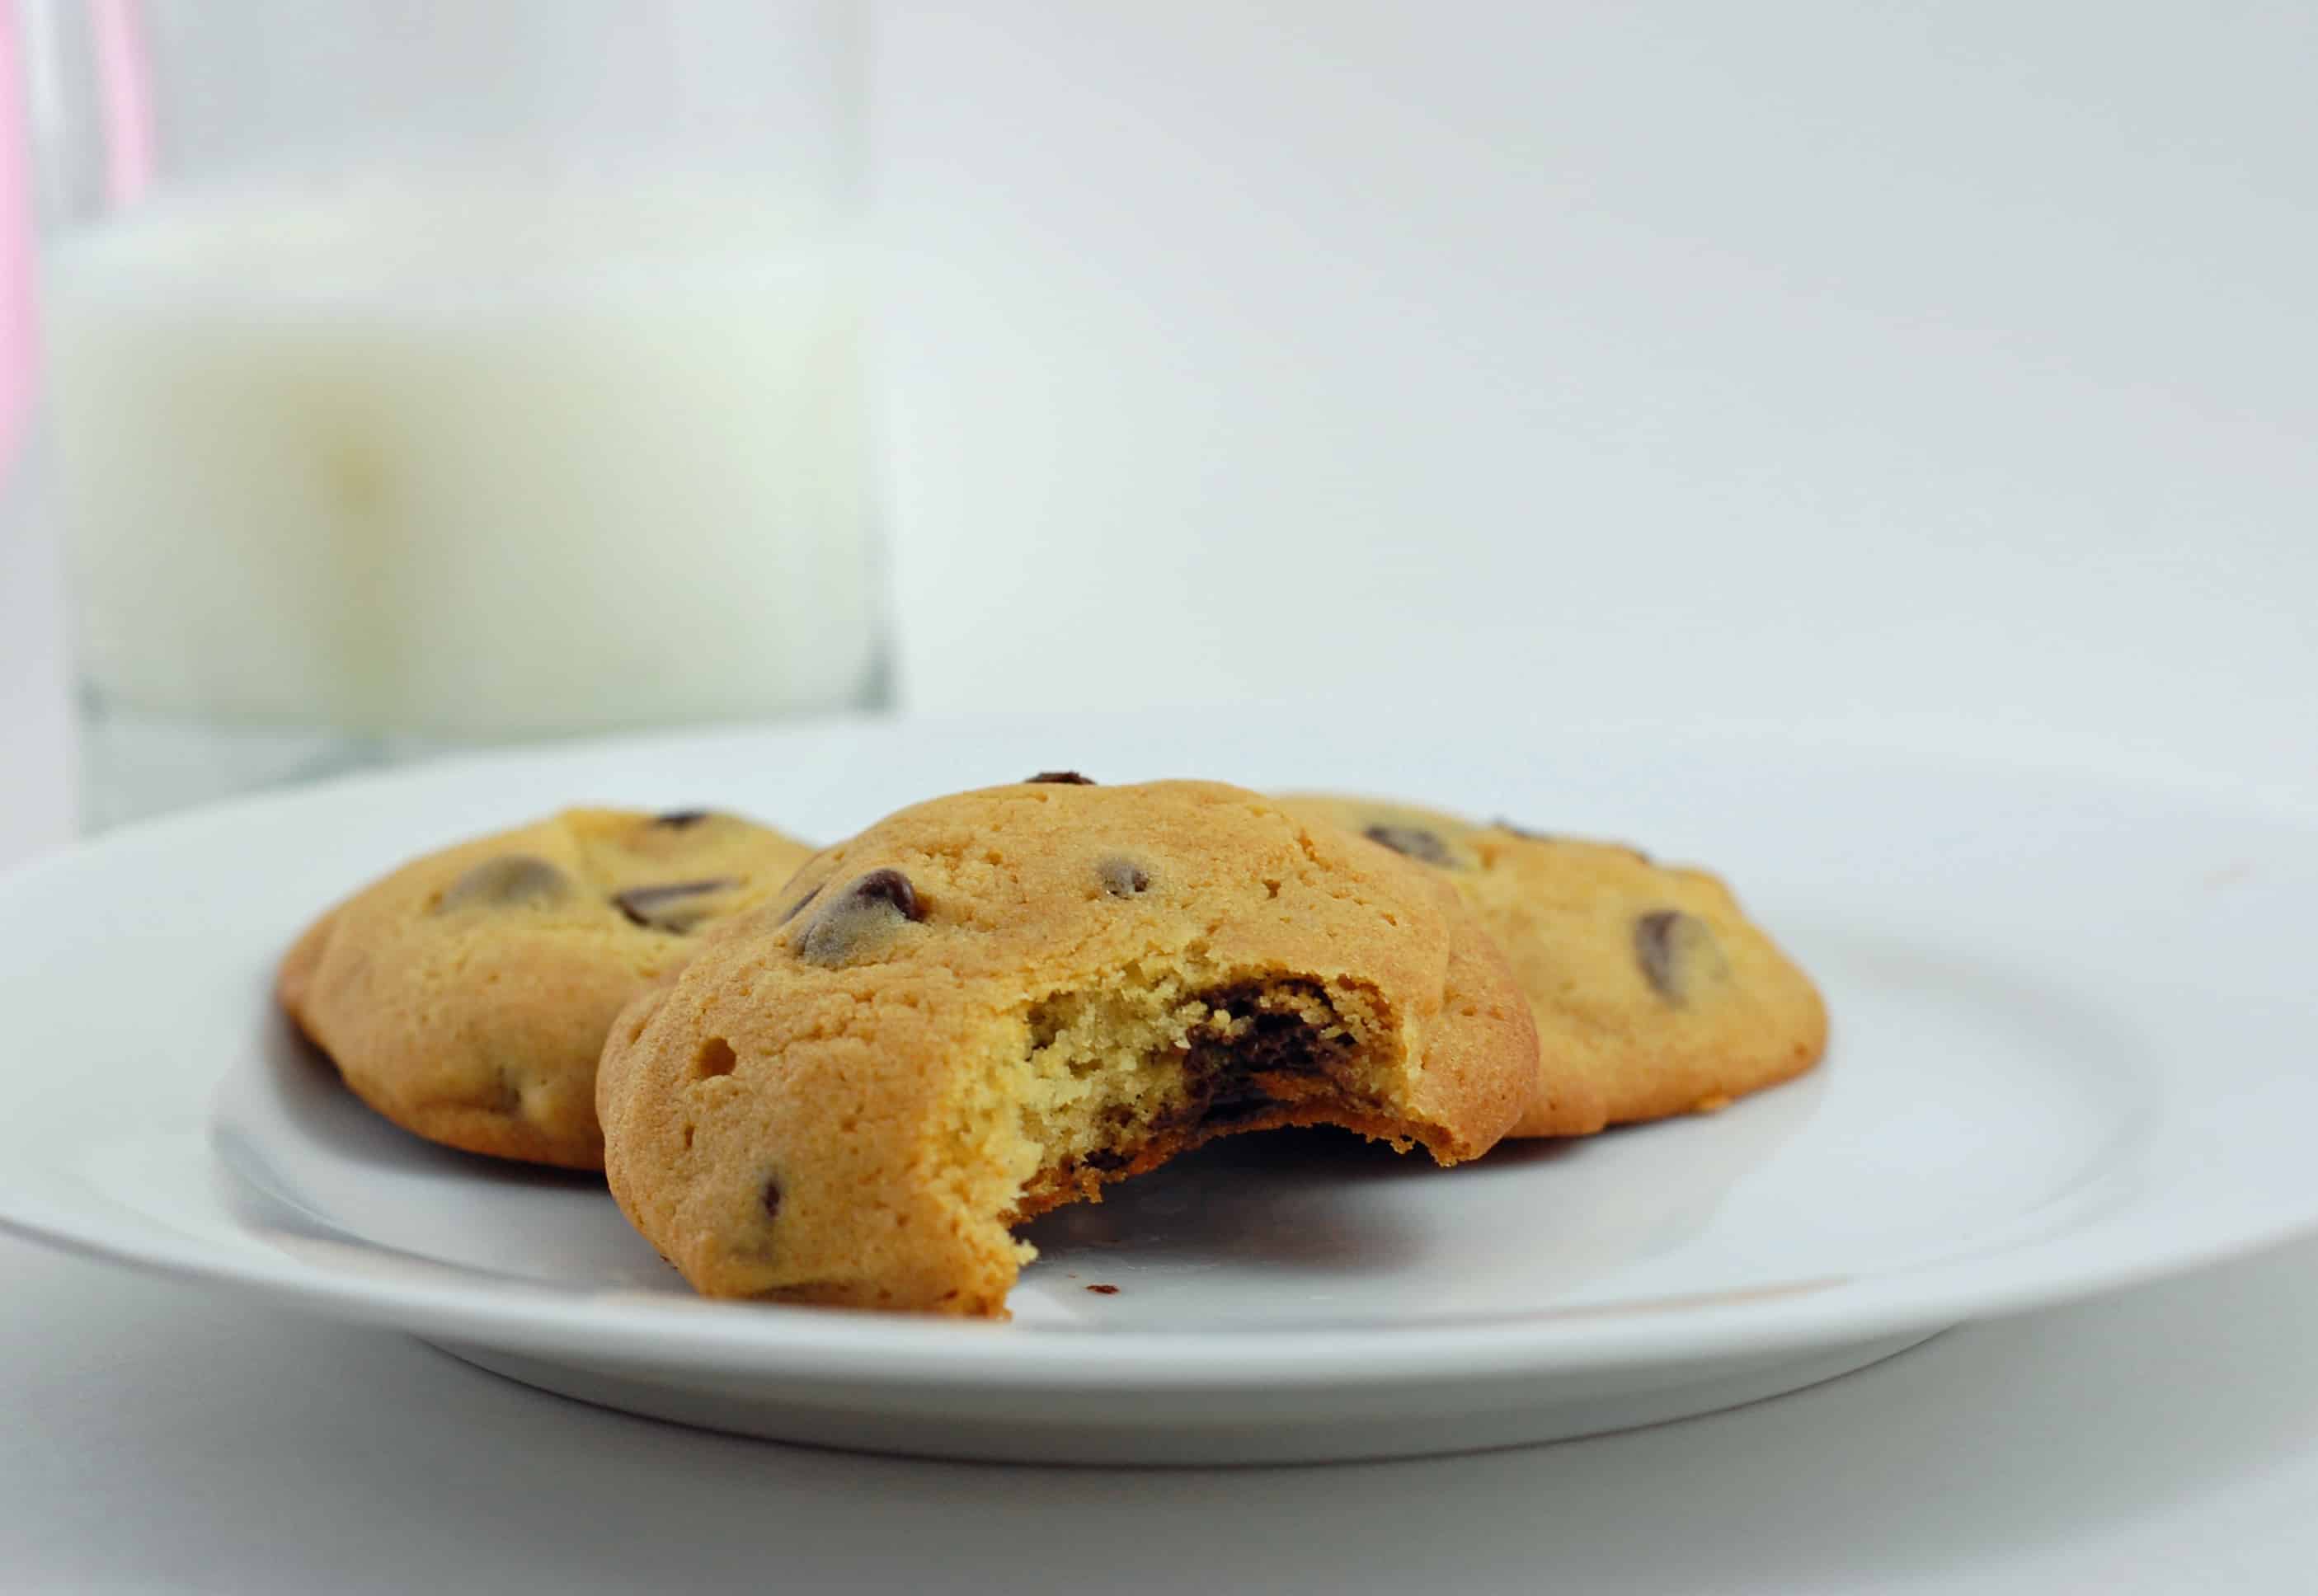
[
  {"x": 995, "y": 1002},
  {"x": 1646, "y": 980},
  {"x": 467, "y": 996}
]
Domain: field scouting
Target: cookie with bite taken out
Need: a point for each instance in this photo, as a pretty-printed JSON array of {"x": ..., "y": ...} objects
[{"x": 995, "y": 1002}]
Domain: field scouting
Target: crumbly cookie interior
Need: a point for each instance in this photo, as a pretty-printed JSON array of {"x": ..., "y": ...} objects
[{"x": 1106, "y": 1080}]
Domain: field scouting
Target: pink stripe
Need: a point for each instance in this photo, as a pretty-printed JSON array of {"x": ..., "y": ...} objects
[
  {"x": 126, "y": 100},
  {"x": 19, "y": 324}
]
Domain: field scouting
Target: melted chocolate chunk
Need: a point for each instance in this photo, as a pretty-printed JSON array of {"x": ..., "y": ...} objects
[
  {"x": 1273, "y": 1041},
  {"x": 771, "y": 1197},
  {"x": 1060, "y": 778},
  {"x": 1672, "y": 948},
  {"x": 1414, "y": 841},
  {"x": 507, "y": 881},
  {"x": 876, "y": 902},
  {"x": 1234, "y": 1102},
  {"x": 667, "y": 907},
  {"x": 677, "y": 819},
  {"x": 1121, "y": 877},
  {"x": 1223, "y": 1069}
]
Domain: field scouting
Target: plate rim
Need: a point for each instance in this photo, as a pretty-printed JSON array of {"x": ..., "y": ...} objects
[
  {"x": 808, "y": 1343},
  {"x": 860, "y": 1348}
]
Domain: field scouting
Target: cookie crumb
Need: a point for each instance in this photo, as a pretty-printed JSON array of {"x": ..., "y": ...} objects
[{"x": 1104, "y": 1290}]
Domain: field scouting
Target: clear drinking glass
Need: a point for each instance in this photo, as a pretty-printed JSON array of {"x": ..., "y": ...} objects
[{"x": 422, "y": 375}]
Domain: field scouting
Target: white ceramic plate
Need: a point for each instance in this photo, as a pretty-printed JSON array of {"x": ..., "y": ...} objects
[{"x": 2073, "y": 1017}]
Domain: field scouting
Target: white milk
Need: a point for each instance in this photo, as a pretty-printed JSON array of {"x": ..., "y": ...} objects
[{"x": 463, "y": 465}]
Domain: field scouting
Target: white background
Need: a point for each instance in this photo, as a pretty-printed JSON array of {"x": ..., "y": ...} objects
[
  {"x": 1636, "y": 359},
  {"x": 1955, "y": 364}
]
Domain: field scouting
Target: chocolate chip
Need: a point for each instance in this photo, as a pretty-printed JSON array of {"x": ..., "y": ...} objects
[
  {"x": 510, "y": 880},
  {"x": 1061, "y": 779},
  {"x": 791, "y": 912},
  {"x": 889, "y": 887},
  {"x": 1414, "y": 841},
  {"x": 1120, "y": 877},
  {"x": 677, "y": 819},
  {"x": 1104, "y": 1290},
  {"x": 1673, "y": 949},
  {"x": 667, "y": 907},
  {"x": 771, "y": 1197},
  {"x": 876, "y": 902}
]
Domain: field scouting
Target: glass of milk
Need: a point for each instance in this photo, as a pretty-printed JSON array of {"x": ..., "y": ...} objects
[{"x": 419, "y": 376}]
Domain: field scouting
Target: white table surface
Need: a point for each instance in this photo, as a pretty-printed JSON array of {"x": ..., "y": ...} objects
[{"x": 168, "y": 1438}]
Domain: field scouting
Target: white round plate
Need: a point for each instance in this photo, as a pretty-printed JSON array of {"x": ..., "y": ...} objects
[{"x": 2073, "y": 1016}]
